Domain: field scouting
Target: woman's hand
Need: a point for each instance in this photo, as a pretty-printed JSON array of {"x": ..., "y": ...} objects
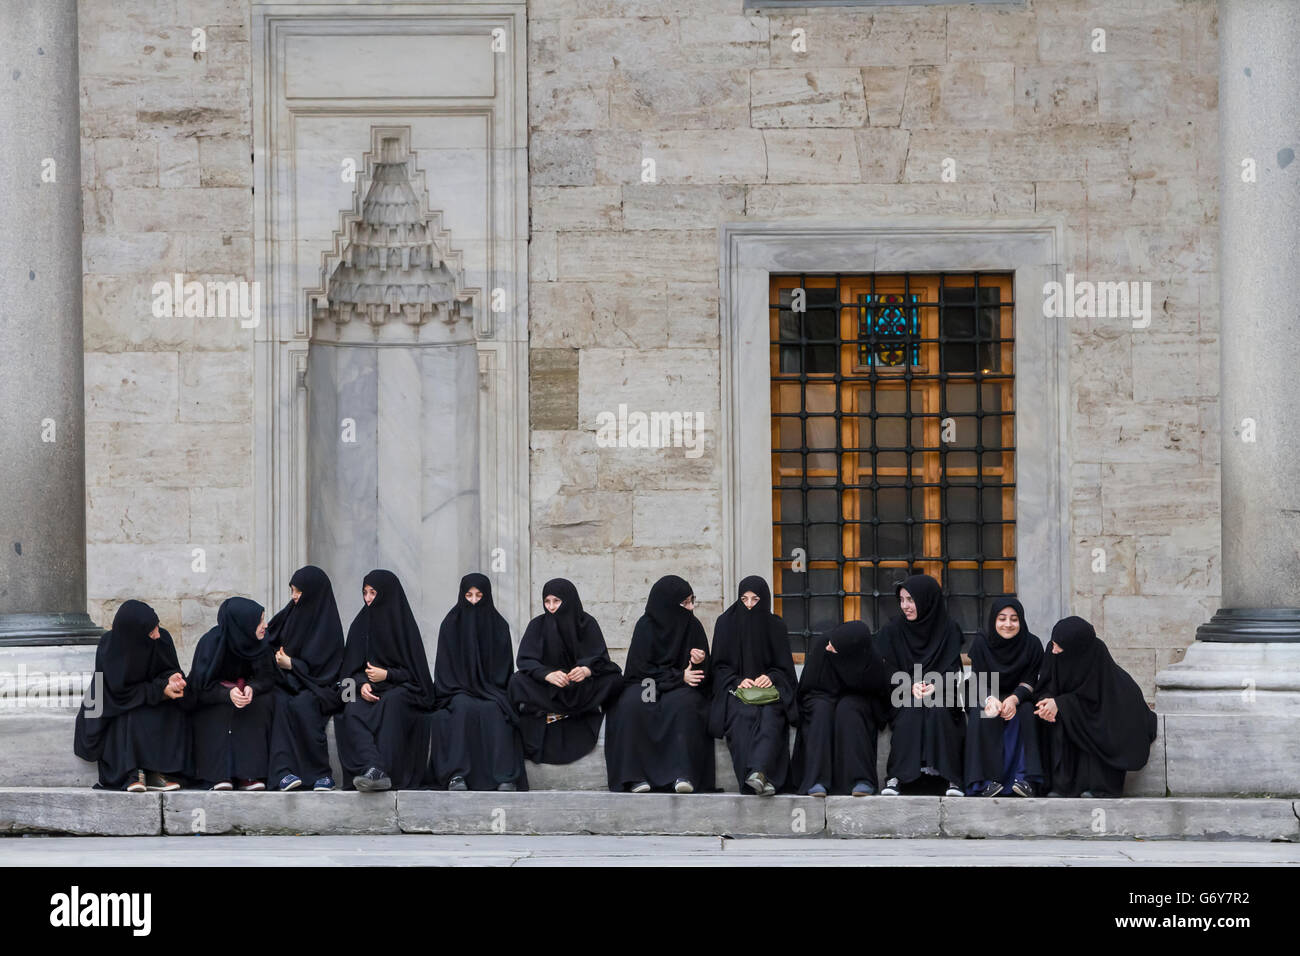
[
  {"x": 745, "y": 684},
  {"x": 241, "y": 699},
  {"x": 1009, "y": 706},
  {"x": 175, "y": 688},
  {"x": 283, "y": 660},
  {"x": 762, "y": 680},
  {"x": 697, "y": 656},
  {"x": 558, "y": 678},
  {"x": 368, "y": 693},
  {"x": 1046, "y": 709},
  {"x": 692, "y": 677},
  {"x": 376, "y": 674},
  {"x": 920, "y": 690},
  {"x": 579, "y": 674},
  {"x": 992, "y": 707}
]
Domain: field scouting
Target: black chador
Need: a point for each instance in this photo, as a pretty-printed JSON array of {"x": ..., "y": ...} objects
[
  {"x": 232, "y": 680},
  {"x": 1002, "y": 747},
  {"x": 753, "y": 644},
  {"x": 476, "y": 745},
  {"x": 657, "y": 735},
  {"x": 565, "y": 678},
  {"x": 383, "y": 732},
  {"x": 843, "y": 705},
  {"x": 928, "y": 731},
  {"x": 1103, "y": 726},
  {"x": 131, "y": 719},
  {"x": 307, "y": 637}
]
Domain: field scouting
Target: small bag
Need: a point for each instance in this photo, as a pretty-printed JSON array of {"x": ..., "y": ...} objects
[{"x": 758, "y": 695}]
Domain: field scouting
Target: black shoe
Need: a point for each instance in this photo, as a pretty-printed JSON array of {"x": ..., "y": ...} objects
[
  {"x": 457, "y": 783},
  {"x": 506, "y": 787},
  {"x": 992, "y": 790},
  {"x": 1022, "y": 788},
  {"x": 372, "y": 780},
  {"x": 1055, "y": 793}
]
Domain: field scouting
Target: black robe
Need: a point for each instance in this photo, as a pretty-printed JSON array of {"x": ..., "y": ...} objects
[
  {"x": 658, "y": 730},
  {"x": 393, "y": 734},
  {"x": 232, "y": 743},
  {"x": 561, "y": 641},
  {"x": 474, "y": 733},
  {"x": 126, "y": 723},
  {"x": 843, "y": 704},
  {"x": 928, "y": 734},
  {"x": 1014, "y": 663},
  {"x": 1103, "y": 726},
  {"x": 747, "y": 643},
  {"x": 305, "y": 695}
]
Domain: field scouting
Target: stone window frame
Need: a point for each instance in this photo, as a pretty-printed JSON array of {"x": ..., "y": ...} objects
[{"x": 1033, "y": 250}]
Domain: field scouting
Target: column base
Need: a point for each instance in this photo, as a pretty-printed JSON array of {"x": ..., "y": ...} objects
[
  {"x": 1239, "y": 625},
  {"x": 36, "y": 629},
  {"x": 1229, "y": 713}
]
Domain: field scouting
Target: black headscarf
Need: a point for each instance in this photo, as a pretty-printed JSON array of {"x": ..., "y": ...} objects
[
  {"x": 132, "y": 668},
  {"x": 664, "y": 636},
  {"x": 564, "y": 640},
  {"x": 474, "y": 654},
  {"x": 1013, "y": 659},
  {"x": 749, "y": 642},
  {"x": 1099, "y": 705},
  {"x": 311, "y": 634},
  {"x": 234, "y": 638},
  {"x": 855, "y": 667},
  {"x": 384, "y": 633},
  {"x": 932, "y": 640}
]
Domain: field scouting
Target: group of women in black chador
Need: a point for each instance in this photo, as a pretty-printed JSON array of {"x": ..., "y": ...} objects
[{"x": 254, "y": 707}]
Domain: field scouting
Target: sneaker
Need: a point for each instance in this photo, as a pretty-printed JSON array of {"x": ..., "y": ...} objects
[
  {"x": 1055, "y": 793},
  {"x": 136, "y": 782},
  {"x": 156, "y": 781},
  {"x": 372, "y": 780},
  {"x": 757, "y": 782},
  {"x": 1022, "y": 788},
  {"x": 641, "y": 787},
  {"x": 554, "y": 718},
  {"x": 955, "y": 790},
  {"x": 684, "y": 786},
  {"x": 251, "y": 785},
  {"x": 457, "y": 783},
  {"x": 324, "y": 783},
  {"x": 863, "y": 789},
  {"x": 222, "y": 785},
  {"x": 992, "y": 789},
  {"x": 892, "y": 788},
  {"x": 817, "y": 790},
  {"x": 290, "y": 781},
  {"x": 506, "y": 787}
]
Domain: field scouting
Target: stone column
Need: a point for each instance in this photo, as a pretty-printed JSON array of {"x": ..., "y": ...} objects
[
  {"x": 42, "y": 439},
  {"x": 1231, "y": 705}
]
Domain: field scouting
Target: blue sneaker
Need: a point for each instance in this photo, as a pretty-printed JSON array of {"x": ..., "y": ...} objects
[
  {"x": 863, "y": 789},
  {"x": 816, "y": 790},
  {"x": 324, "y": 783},
  {"x": 290, "y": 781}
]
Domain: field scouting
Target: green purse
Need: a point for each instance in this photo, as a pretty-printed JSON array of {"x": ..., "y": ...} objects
[{"x": 757, "y": 695}]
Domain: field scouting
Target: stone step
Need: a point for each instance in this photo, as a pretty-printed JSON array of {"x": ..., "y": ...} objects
[
  {"x": 83, "y": 811},
  {"x": 37, "y": 751}
]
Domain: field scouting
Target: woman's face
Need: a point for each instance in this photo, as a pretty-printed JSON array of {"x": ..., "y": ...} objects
[
  {"x": 369, "y": 594},
  {"x": 155, "y": 633},
  {"x": 261, "y": 627},
  {"x": 294, "y": 594},
  {"x": 689, "y": 603},
  {"x": 749, "y": 599},
  {"x": 906, "y": 604},
  {"x": 1008, "y": 622},
  {"x": 1056, "y": 648},
  {"x": 473, "y": 595},
  {"x": 551, "y": 603}
]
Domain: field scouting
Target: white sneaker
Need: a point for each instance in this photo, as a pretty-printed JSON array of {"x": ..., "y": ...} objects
[
  {"x": 954, "y": 790},
  {"x": 684, "y": 786},
  {"x": 891, "y": 788},
  {"x": 641, "y": 787}
]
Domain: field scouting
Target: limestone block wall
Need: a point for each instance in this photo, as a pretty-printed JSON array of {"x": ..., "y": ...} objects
[
  {"x": 741, "y": 125},
  {"x": 166, "y": 176}
]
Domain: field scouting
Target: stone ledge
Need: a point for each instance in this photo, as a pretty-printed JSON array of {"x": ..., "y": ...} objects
[
  {"x": 81, "y": 812},
  {"x": 191, "y": 812},
  {"x": 574, "y": 812}
]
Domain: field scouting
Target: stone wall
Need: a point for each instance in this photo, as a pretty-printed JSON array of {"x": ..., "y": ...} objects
[
  {"x": 167, "y": 176},
  {"x": 740, "y": 125}
]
